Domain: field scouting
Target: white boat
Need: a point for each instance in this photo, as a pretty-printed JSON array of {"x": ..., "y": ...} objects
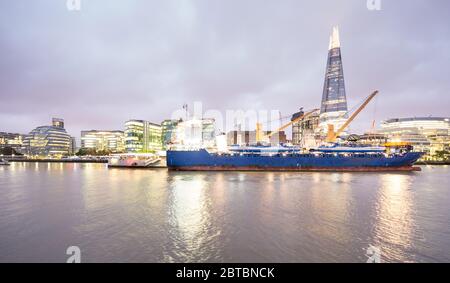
[
  {"x": 133, "y": 160},
  {"x": 4, "y": 162}
]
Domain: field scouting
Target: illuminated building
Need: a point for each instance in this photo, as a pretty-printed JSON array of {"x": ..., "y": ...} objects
[
  {"x": 169, "y": 128},
  {"x": 46, "y": 141},
  {"x": 249, "y": 137},
  {"x": 12, "y": 140},
  {"x": 374, "y": 139},
  {"x": 58, "y": 123},
  {"x": 113, "y": 141},
  {"x": 142, "y": 136},
  {"x": 195, "y": 133},
  {"x": 73, "y": 145},
  {"x": 334, "y": 102},
  {"x": 427, "y": 134},
  {"x": 304, "y": 131}
]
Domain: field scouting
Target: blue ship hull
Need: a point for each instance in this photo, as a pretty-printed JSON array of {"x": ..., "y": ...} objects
[{"x": 202, "y": 160}]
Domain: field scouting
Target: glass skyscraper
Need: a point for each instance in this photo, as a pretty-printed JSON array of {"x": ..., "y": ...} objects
[{"x": 334, "y": 101}]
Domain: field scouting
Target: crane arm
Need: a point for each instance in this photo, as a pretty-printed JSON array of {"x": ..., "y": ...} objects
[
  {"x": 353, "y": 116},
  {"x": 301, "y": 117}
]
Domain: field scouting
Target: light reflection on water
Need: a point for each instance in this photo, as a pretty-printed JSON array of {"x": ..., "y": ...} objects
[
  {"x": 395, "y": 221},
  {"x": 160, "y": 216}
]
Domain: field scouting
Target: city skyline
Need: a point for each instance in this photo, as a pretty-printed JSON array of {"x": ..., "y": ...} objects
[{"x": 107, "y": 64}]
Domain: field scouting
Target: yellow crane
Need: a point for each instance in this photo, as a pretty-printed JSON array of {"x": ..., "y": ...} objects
[
  {"x": 332, "y": 135},
  {"x": 261, "y": 137}
]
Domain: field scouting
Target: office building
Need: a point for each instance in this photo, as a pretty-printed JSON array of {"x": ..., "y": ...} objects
[
  {"x": 195, "y": 133},
  {"x": 111, "y": 141},
  {"x": 427, "y": 134},
  {"x": 73, "y": 146},
  {"x": 249, "y": 138},
  {"x": 169, "y": 129},
  {"x": 12, "y": 140},
  {"x": 334, "y": 101},
  {"x": 304, "y": 132},
  {"x": 48, "y": 141},
  {"x": 142, "y": 136}
]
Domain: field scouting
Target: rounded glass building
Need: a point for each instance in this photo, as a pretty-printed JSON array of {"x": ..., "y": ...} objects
[{"x": 48, "y": 141}]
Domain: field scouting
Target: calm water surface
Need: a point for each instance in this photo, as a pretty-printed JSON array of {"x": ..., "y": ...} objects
[{"x": 159, "y": 216}]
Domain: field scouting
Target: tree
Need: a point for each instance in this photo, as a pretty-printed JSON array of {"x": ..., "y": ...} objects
[
  {"x": 442, "y": 155},
  {"x": 9, "y": 151}
]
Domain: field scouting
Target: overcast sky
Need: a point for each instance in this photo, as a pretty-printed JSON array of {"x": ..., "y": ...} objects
[{"x": 116, "y": 60}]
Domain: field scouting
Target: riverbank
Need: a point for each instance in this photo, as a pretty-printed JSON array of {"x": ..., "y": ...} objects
[
  {"x": 433, "y": 163},
  {"x": 59, "y": 160},
  {"x": 106, "y": 161}
]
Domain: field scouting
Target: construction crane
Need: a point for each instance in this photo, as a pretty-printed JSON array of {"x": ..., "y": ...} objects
[
  {"x": 261, "y": 137},
  {"x": 332, "y": 135}
]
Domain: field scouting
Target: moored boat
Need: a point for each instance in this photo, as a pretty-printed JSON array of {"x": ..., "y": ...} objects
[
  {"x": 332, "y": 158},
  {"x": 133, "y": 160}
]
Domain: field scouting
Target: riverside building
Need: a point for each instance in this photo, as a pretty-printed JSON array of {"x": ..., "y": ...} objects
[
  {"x": 427, "y": 134},
  {"x": 169, "y": 129},
  {"x": 142, "y": 136},
  {"x": 12, "y": 140},
  {"x": 112, "y": 141},
  {"x": 195, "y": 133},
  {"x": 304, "y": 132},
  {"x": 48, "y": 141}
]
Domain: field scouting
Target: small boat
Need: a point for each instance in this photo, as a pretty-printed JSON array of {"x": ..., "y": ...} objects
[
  {"x": 133, "y": 160},
  {"x": 4, "y": 162}
]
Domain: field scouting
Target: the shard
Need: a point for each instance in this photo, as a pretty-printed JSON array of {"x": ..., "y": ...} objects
[{"x": 334, "y": 102}]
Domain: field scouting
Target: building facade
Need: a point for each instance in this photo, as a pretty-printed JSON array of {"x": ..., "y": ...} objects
[
  {"x": 304, "y": 132},
  {"x": 142, "y": 136},
  {"x": 12, "y": 140},
  {"x": 249, "y": 138},
  {"x": 169, "y": 129},
  {"x": 427, "y": 134},
  {"x": 48, "y": 141},
  {"x": 333, "y": 109},
  {"x": 112, "y": 141},
  {"x": 73, "y": 145},
  {"x": 195, "y": 133}
]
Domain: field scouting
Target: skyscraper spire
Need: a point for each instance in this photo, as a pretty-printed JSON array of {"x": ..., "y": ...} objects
[
  {"x": 334, "y": 100},
  {"x": 334, "y": 39}
]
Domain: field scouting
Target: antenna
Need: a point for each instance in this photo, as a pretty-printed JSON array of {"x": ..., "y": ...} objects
[{"x": 185, "y": 107}]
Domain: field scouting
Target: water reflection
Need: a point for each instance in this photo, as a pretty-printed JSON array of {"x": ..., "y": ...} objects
[
  {"x": 161, "y": 216},
  {"x": 188, "y": 216},
  {"x": 394, "y": 217},
  {"x": 332, "y": 201}
]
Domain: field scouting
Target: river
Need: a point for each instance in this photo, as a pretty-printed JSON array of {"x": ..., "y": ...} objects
[{"x": 119, "y": 215}]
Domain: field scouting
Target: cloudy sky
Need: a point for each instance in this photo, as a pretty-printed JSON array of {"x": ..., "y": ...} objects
[{"x": 116, "y": 60}]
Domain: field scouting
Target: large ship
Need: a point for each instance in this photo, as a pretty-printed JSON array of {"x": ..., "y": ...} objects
[
  {"x": 331, "y": 156},
  {"x": 328, "y": 158}
]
